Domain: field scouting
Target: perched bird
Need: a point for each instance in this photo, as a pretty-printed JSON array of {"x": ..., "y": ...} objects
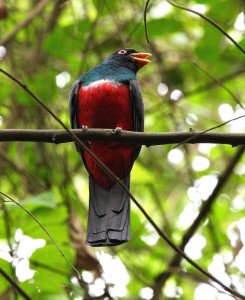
[{"x": 109, "y": 96}]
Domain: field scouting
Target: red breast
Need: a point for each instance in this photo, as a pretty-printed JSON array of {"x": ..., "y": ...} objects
[{"x": 105, "y": 104}]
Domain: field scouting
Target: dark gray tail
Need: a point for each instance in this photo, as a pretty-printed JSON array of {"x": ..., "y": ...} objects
[{"x": 109, "y": 215}]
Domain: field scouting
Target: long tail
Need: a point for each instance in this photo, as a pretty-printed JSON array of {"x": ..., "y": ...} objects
[{"x": 109, "y": 215}]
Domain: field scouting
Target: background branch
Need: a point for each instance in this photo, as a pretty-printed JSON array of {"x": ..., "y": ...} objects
[
  {"x": 205, "y": 209},
  {"x": 144, "y": 138},
  {"x": 209, "y": 20},
  {"x": 14, "y": 285},
  {"x": 32, "y": 14},
  {"x": 234, "y": 97}
]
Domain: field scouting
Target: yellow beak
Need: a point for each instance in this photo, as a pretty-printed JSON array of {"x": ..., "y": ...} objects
[{"x": 141, "y": 58}]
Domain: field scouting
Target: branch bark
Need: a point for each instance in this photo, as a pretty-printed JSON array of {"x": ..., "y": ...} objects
[{"x": 130, "y": 137}]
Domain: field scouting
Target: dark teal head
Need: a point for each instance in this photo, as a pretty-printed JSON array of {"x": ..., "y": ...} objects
[
  {"x": 128, "y": 58},
  {"x": 120, "y": 66}
]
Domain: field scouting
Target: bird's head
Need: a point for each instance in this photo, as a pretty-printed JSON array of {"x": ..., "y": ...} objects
[{"x": 128, "y": 58}]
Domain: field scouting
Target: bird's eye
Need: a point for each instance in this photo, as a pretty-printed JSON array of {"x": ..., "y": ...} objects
[{"x": 123, "y": 51}]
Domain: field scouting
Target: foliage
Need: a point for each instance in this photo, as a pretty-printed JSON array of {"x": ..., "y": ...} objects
[{"x": 172, "y": 185}]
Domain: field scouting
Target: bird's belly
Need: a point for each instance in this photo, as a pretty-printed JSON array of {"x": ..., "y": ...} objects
[
  {"x": 117, "y": 158},
  {"x": 107, "y": 106}
]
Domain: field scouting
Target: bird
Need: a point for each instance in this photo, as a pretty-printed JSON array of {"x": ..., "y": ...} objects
[{"x": 109, "y": 96}]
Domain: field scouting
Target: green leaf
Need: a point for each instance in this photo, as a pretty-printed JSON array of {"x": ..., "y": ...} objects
[{"x": 45, "y": 200}]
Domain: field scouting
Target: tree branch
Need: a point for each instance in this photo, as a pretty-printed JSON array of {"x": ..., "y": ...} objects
[
  {"x": 106, "y": 135},
  {"x": 14, "y": 285},
  {"x": 213, "y": 84},
  {"x": 121, "y": 184},
  {"x": 209, "y": 20},
  {"x": 34, "y": 183},
  {"x": 220, "y": 83},
  {"x": 33, "y": 13},
  {"x": 205, "y": 209}
]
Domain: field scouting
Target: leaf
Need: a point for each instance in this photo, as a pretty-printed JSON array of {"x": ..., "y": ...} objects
[{"x": 45, "y": 200}]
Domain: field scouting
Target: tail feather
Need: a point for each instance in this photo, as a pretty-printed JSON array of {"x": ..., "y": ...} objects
[{"x": 109, "y": 215}]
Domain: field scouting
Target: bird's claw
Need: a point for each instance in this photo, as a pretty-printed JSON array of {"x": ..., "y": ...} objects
[
  {"x": 117, "y": 131},
  {"x": 84, "y": 128}
]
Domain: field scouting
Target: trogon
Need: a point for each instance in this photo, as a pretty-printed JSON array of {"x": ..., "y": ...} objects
[{"x": 109, "y": 96}]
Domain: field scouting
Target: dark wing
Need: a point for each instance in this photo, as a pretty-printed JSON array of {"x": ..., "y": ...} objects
[
  {"x": 73, "y": 104},
  {"x": 138, "y": 110},
  {"x": 73, "y": 100}
]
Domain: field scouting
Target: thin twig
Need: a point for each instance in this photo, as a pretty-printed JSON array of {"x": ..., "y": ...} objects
[
  {"x": 34, "y": 184},
  {"x": 207, "y": 130},
  {"x": 15, "y": 285},
  {"x": 130, "y": 137},
  {"x": 196, "y": 13},
  {"x": 212, "y": 84},
  {"x": 123, "y": 186},
  {"x": 145, "y": 21},
  {"x": 220, "y": 83},
  {"x": 7, "y": 225},
  {"x": 43, "y": 228}
]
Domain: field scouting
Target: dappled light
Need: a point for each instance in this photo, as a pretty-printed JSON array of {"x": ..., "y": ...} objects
[
  {"x": 195, "y": 246},
  {"x": 62, "y": 79},
  {"x": 200, "y": 163},
  {"x": 176, "y": 95},
  {"x": 146, "y": 293},
  {"x": 239, "y": 23},
  {"x": 172, "y": 291},
  {"x": 3, "y": 52},
  {"x": 175, "y": 156},
  {"x": 162, "y": 89},
  {"x": 23, "y": 248}
]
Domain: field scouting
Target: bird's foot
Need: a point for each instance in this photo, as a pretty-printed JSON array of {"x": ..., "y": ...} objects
[
  {"x": 84, "y": 128},
  {"x": 117, "y": 131}
]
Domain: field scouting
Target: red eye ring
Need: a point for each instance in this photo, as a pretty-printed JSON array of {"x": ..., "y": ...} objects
[{"x": 123, "y": 51}]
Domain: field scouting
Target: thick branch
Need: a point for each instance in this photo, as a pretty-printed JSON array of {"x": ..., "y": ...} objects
[{"x": 144, "y": 138}]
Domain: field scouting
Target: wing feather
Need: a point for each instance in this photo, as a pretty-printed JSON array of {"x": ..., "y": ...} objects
[
  {"x": 73, "y": 102},
  {"x": 137, "y": 109}
]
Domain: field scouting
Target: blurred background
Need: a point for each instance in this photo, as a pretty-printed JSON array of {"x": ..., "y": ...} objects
[{"x": 48, "y": 45}]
